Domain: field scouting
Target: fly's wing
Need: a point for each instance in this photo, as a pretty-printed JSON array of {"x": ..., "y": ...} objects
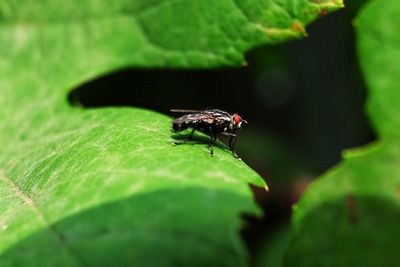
[
  {"x": 220, "y": 117},
  {"x": 191, "y": 119},
  {"x": 184, "y": 110}
]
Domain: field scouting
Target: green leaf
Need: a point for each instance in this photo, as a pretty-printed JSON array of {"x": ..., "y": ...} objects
[
  {"x": 350, "y": 216},
  {"x": 108, "y": 185},
  {"x": 105, "y": 186}
]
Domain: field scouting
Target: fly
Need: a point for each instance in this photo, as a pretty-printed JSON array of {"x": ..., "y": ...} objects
[{"x": 211, "y": 122}]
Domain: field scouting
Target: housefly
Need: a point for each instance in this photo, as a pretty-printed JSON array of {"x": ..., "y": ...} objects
[{"x": 211, "y": 122}]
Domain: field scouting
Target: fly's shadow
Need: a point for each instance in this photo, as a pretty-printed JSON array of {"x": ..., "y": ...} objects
[{"x": 186, "y": 138}]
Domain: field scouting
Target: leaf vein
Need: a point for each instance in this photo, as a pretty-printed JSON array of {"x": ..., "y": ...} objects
[
  {"x": 269, "y": 31},
  {"x": 30, "y": 202}
]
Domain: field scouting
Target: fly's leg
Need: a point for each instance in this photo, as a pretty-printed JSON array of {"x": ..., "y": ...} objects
[
  {"x": 212, "y": 138},
  {"x": 232, "y": 142},
  {"x": 212, "y": 147},
  {"x": 188, "y": 138}
]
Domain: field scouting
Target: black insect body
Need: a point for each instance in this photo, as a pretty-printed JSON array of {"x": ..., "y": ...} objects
[{"x": 211, "y": 122}]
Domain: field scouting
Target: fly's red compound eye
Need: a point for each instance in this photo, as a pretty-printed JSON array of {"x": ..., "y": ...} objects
[{"x": 236, "y": 119}]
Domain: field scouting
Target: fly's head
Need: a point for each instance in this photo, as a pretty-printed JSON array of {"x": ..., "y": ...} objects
[{"x": 236, "y": 122}]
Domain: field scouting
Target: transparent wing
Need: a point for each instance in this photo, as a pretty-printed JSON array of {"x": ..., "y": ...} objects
[
  {"x": 196, "y": 118},
  {"x": 184, "y": 110}
]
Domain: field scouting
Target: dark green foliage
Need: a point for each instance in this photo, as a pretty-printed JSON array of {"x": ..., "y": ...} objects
[{"x": 350, "y": 216}]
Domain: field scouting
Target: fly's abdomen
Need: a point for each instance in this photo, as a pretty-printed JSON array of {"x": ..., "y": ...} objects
[
  {"x": 179, "y": 125},
  {"x": 198, "y": 121}
]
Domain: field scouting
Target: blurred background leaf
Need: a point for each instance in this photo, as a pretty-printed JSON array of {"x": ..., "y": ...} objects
[{"x": 350, "y": 216}]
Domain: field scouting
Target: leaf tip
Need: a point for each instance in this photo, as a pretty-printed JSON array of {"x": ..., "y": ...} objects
[
  {"x": 330, "y": 5},
  {"x": 361, "y": 151},
  {"x": 336, "y": 4},
  {"x": 299, "y": 28},
  {"x": 266, "y": 188}
]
